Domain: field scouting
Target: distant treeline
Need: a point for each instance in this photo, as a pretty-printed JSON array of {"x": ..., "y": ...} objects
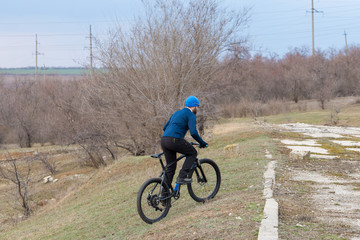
[{"x": 41, "y": 70}]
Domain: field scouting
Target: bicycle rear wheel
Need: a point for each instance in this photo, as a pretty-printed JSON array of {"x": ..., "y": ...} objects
[
  {"x": 206, "y": 181},
  {"x": 151, "y": 203}
]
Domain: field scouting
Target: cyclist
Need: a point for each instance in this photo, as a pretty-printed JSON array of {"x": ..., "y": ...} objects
[{"x": 173, "y": 140}]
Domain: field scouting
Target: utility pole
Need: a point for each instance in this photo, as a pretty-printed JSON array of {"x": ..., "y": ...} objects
[
  {"x": 91, "y": 55},
  {"x": 312, "y": 17},
  {"x": 36, "y": 55},
  {"x": 346, "y": 45},
  {"x": 313, "y": 27}
]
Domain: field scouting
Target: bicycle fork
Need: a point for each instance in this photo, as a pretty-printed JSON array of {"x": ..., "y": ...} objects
[{"x": 200, "y": 176}]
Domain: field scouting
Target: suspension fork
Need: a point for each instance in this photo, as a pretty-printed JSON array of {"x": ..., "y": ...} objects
[{"x": 198, "y": 165}]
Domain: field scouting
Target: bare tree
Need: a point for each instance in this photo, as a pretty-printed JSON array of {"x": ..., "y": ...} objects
[
  {"x": 19, "y": 110},
  {"x": 170, "y": 54},
  {"x": 322, "y": 81},
  {"x": 3, "y": 129},
  {"x": 296, "y": 72},
  {"x": 346, "y": 71}
]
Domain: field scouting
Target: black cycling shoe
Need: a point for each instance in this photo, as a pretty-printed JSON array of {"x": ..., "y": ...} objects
[{"x": 186, "y": 180}]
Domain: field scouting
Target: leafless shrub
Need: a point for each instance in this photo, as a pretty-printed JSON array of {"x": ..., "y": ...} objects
[
  {"x": 98, "y": 151},
  {"x": 17, "y": 171},
  {"x": 254, "y": 109},
  {"x": 49, "y": 164},
  {"x": 2, "y": 135},
  {"x": 357, "y": 101},
  {"x": 334, "y": 115},
  {"x": 300, "y": 106}
]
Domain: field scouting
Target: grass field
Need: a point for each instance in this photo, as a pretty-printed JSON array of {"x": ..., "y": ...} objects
[
  {"x": 349, "y": 115},
  {"x": 41, "y": 71},
  {"x": 103, "y": 205}
]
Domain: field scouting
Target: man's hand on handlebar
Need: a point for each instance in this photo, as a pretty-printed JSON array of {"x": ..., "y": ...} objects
[{"x": 205, "y": 145}]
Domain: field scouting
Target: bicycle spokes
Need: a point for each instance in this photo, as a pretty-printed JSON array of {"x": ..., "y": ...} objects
[
  {"x": 207, "y": 182},
  {"x": 152, "y": 202}
]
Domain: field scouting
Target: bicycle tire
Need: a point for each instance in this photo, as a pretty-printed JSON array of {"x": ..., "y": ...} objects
[
  {"x": 148, "y": 203},
  {"x": 199, "y": 190}
]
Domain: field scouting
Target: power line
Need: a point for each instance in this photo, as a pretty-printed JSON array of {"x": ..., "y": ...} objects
[
  {"x": 54, "y": 22},
  {"x": 44, "y": 35}
]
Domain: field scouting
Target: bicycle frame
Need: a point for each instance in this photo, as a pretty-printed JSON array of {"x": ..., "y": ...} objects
[{"x": 175, "y": 192}]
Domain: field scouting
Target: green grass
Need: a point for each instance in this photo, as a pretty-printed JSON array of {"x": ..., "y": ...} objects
[
  {"x": 50, "y": 71},
  {"x": 105, "y": 206},
  {"x": 349, "y": 115},
  {"x": 317, "y": 117},
  {"x": 31, "y": 71}
]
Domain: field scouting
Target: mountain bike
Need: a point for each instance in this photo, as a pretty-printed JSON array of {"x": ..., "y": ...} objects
[{"x": 154, "y": 196}]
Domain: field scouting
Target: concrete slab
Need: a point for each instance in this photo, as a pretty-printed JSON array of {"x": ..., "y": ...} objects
[
  {"x": 353, "y": 149},
  {"x": 318, "y": 156},
  {"x": 324, "y": 135},
  {"x": 308, "y": 149},
  {"x": 269, "y": 225},
  {"x": 347, "y": 143},
  {"x": 268, "y": 154},
  {"x": 269, "y": 180},
  {"x": 309, "y": 142}
]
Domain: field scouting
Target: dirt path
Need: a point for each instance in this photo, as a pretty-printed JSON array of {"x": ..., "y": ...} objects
[{"x": 319, "y": 192}]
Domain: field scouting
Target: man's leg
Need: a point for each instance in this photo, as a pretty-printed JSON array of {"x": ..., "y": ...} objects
[
  {"x": 170, "y": 155},
  {"x": 190, "y": 152}
]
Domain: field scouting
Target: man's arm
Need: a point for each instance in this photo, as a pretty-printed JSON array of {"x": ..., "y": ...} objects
[{"x": 194, "y": 132}]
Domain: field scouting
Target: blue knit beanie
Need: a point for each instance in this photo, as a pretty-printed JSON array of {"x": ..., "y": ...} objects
[{"x": 192, "y": 102}]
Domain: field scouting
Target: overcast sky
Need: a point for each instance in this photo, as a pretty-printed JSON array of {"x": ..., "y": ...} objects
[{"x": 63, "y": 27}]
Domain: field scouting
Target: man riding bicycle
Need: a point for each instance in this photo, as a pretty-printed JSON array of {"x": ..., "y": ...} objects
[{"x": 173, "y": 140}]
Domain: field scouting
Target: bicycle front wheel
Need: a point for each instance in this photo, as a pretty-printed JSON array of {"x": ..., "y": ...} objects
[
  {"x": 153, "y": 202},
  {"x": 206, "y": 181}
]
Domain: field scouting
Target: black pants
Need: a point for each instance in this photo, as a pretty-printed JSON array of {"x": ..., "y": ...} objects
[{"x": 171, "y": 146}]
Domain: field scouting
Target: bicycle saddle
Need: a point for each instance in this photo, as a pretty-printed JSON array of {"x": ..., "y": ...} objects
[{"x": 157, "y": 155}]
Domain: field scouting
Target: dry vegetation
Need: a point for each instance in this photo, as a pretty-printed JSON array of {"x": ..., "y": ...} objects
[
  {"x": 90, "y": 204},
  {"x": 300, "y": 216}
]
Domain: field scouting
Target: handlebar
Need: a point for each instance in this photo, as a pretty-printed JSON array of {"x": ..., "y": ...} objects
[{"x": 198, "y": 144}]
